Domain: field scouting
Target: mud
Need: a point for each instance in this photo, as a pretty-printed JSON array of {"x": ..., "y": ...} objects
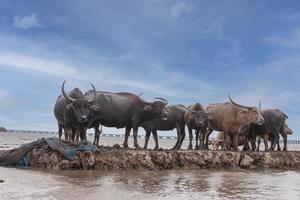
[{"x": 38, "y": 154}]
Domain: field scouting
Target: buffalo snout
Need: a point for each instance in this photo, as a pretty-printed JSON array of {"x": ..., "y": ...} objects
[
  {"x": 164, "y": 114},
  {"x": 83, "y": 119},
  {"x": 261, "y": 121}
]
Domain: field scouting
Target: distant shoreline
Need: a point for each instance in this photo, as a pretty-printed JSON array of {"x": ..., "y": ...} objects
[{"x": 295, "y": 141}]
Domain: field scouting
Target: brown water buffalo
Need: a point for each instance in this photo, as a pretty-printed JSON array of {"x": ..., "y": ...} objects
[
  {"x": 124, "y": 110},
  {"x": 71, "y": 111},
  {"x": 174, "y": 120},
  {"x": 270, "y": 130},
  {"x": 195, "y": 118},
  {"x": 221, "y": 141},
  {"x": 229, "y": 118}
]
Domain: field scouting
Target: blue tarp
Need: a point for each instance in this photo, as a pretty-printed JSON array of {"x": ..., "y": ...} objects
[{"x": 69, "y": 151}]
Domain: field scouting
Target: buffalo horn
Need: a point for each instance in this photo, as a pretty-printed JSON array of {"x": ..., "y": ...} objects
[
  {"x": 65, "y": 94},
  {"x": 95, "y": 92},
  {"x": 238, "y": 105},
  {"x": 162, "y": 99}
]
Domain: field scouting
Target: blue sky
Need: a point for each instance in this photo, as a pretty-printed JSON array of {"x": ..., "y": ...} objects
[{"x": 185, "y": 51}]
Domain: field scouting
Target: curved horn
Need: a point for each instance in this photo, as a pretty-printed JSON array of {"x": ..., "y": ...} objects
[
  {"x": 162, "y": 99},
  {"x": 95, "y": 92},
  {"x": 259, "y": 105},
  {"x": 65, "y": 94},
  {"x": 285, "y": 116},
  {"x": 140, "y": 94},
  {"x": 238, "y": 105}
]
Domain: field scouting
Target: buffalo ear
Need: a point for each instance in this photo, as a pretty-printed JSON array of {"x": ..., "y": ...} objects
[
  {"x": 147, "y": 108},
  {"x": 95, "y": 108}
]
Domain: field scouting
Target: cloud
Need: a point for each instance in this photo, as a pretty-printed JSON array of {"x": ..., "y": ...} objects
[
  {"x": 37, "y": 64},
  {"x": 179, "y": 9},
  {"x": 26, "y": 22}
]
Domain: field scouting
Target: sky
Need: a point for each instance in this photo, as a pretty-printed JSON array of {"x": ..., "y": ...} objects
[{"x": 186, "y": 51}]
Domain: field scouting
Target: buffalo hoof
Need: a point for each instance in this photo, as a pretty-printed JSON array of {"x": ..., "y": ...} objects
[
  {"x": 285, "y": 149},
  {"x": 144, "y": 147},
  {"x": 138, "y": 147},
  {"x": 155, "y": 148},
  {"x": 126, "y": 146},
  {"x": 190, "y": 147}
]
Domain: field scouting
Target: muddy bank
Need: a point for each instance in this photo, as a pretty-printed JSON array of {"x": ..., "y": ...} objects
[{"x": 52, "y": 153}]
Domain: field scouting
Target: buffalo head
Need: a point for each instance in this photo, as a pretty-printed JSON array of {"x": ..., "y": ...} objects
[
  {"x": 158, "y": 108},
  {"x": 80, "y": 107},
  {"x": 248, "y": 114},
  {"x": 199, "y": 117},
  {"x": 287, "y": 130}
]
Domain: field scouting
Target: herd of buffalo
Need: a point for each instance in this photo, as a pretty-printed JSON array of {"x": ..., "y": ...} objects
[{"x": 238, "y": 125}]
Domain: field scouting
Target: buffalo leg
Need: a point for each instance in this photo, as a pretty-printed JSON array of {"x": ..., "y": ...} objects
[
  {"x": 147, "y": 136},
  {"x": 178, "y": 139},
  {"x": 274, "y": 139},
  {"x": 258, "y": 143},
  {"x": 74, "y": 130},
  {"x": 284, "y": 136},
  {"x": 182, "y": 133},
  {"x": 60, "y": 127},
  {"x": 236, "y": 141},
  {"x": 78, "y": 130},
  {"x": 135, "y": 141},
  {"x": 201, "y": 139},
  {"x": 83, "y": 134},
  {"x": 69, "y": 133},
  {"x": 197, "y": 132},
  {"x": 127, "y": 133},
  {"x": 278, "y": 146},
  {"x": 66, "y": 133},
  {"x": 207, "y": 134},
  {"x": 154, "y": 132},
  {"x": 266, "y": 142},
  {"x": 191, "y": 138},
  {"x": 97, "y": 134}
]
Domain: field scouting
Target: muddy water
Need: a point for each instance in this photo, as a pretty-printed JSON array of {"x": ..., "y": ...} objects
[{"x": 176, "y": 184}]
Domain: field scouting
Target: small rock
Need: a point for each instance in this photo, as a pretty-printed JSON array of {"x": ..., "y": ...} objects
[{"x": 1, "y": 181}]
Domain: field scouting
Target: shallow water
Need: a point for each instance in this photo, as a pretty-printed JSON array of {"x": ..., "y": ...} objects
[
  {"x": 131, "y": 184},
  {"x": 178, "y": 184}
]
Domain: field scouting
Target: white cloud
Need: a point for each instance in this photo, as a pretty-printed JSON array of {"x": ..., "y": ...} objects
[
  {"x": 38, "y": 64},
  {"x": 26, "y": 22},
  {"x": 179, "y": 9}
]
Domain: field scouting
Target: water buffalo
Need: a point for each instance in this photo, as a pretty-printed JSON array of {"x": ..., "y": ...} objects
[
  {"x": 195, "y": 118},
  {"x": 230, "y": 117},
  {"x": 223, "y": 140},
  {"x": 125, "y": 110},
  {"x": 71, "y": 112},
  {"x": 270, "y": 130},
  {"x": 174, "y": 120}
]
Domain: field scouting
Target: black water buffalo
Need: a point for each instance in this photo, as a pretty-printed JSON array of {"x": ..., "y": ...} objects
[
  {"x": 72, "y": 111},
  {"x": 270, "y": 130},
  {"x": 174, "y": 120},
  {"x": 195, "y": 118},
  {"x": 125, "y": 110},
  {"x": 230, "y": 118}
]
